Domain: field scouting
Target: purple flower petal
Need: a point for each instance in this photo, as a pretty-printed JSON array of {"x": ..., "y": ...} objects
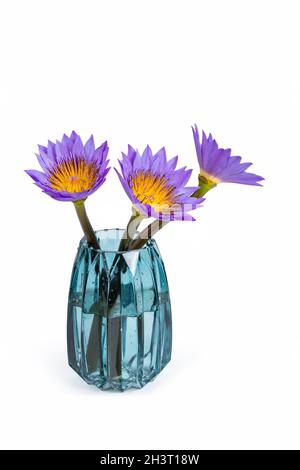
[
  {"x": 51, "y": 151},
  {"x": 78, "y": 149},
  {"x": 44, "y": 161},
  {"x": 89, "y": 148}
]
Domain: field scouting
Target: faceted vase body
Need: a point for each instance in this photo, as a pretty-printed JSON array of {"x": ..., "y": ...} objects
[{"x": 119, "y": 314}]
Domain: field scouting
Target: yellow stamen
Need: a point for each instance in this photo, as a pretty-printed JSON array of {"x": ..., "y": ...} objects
[
  {"x": 210, "y": 178},
  {"x": 74, "y": 176},
  {"x": 152, "y": 190}
]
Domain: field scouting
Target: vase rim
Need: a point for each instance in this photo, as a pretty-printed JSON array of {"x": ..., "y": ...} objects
[{"x": 150, "y": 242}]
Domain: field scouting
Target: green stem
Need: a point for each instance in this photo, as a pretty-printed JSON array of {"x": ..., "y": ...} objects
[
  {"x": 86, "y": 225},
  {"x": 147, "y": 233},
  {"x": 204, "y": 186},
  {"x": 130, "y": 230}
]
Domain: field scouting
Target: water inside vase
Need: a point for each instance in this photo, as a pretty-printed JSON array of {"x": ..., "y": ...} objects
[
  {"x": 124, "y": 349},
  {"x": 119, "y": 317}
]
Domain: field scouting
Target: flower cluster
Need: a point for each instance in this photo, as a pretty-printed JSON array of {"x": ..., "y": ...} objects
[{"x": 72, "y": 171}]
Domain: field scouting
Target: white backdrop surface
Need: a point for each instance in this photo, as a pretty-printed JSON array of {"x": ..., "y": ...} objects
[{"x": 142, "y": 72}]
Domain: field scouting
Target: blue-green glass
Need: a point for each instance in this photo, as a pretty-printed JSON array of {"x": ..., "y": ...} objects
[{"x": 119, "y": 314}]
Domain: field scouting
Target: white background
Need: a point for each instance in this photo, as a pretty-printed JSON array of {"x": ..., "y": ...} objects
[{"x": 142, "y": 72}]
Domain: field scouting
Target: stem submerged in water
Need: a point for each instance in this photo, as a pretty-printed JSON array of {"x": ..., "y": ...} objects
[
  {"x": 94, "y": 343},
  {"x": 86, "y": 225}
]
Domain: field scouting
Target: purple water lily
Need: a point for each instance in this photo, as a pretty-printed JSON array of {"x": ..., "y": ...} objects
[
  {"x": 155, "y": 187},
  {"x": 218, "y": 165},
  {"x": 71, "y": 171}
]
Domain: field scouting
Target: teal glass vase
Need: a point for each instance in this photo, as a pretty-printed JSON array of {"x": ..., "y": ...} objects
[{"x": 119, "y": 328}]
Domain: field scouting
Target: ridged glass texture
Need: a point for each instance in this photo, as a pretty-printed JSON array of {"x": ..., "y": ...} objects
[{"x": 119, "y": 314}]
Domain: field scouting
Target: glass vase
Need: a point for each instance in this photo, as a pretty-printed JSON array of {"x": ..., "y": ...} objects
[{"x": 119, "y": 328}]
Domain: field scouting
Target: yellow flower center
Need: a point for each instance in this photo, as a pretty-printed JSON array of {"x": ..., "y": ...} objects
[
  {"x": 73, "y": 176},
  {"x": 152, "y": 190}
]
